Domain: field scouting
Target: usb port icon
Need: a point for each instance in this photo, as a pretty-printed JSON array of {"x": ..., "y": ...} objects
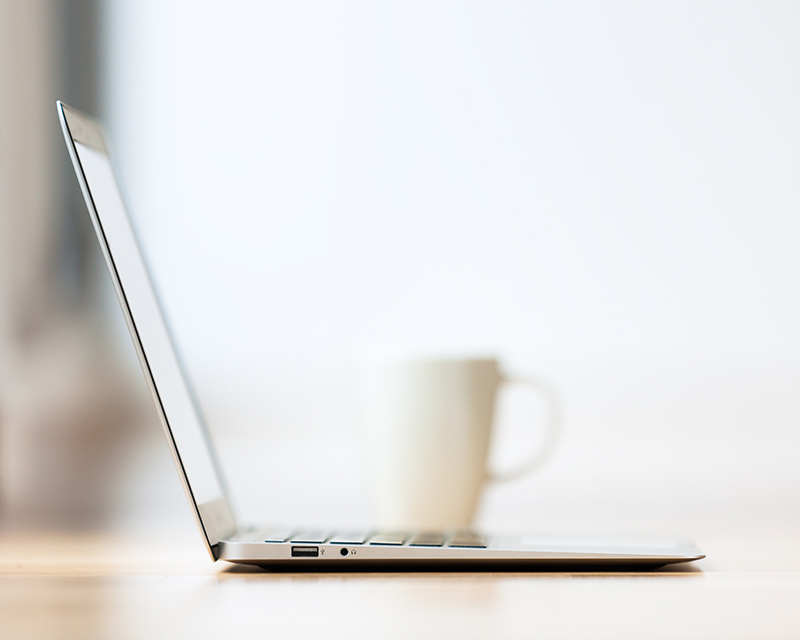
[{"x": 305, "y": 552}]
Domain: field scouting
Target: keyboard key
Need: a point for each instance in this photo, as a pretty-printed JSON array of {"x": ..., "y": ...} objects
[
  {"x": 427, "y": 539},
  {"x": 277, "y": 535},
  {"x": 351, "y": 537},
  {"x": 467, "y": 539},
  {"x": 393, "y": 538},
  {"x": 310, "y": 536}
]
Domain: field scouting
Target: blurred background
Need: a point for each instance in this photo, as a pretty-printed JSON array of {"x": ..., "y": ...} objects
[{"x": 605, "y": 195}]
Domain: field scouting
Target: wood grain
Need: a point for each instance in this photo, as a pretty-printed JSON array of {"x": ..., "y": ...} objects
[{"x": 109, "y": 586}]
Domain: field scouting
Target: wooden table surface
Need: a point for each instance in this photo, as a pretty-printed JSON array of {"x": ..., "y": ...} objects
[{"x": 108, "y": 586}]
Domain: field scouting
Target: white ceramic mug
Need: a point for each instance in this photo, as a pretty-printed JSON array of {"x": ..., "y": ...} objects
[{"x": 428, "y": 425}]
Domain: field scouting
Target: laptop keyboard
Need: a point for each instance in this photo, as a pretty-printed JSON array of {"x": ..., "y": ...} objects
[{"x": 460, "y": 539}]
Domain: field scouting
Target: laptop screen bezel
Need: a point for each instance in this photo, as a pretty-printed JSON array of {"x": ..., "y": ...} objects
[{"x": 215, "y": 518}]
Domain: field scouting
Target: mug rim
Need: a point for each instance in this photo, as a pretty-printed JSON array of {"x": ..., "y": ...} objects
[{"x": 429, "y": 358}]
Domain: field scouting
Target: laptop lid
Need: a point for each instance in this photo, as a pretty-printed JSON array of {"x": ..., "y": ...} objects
[{"x": 180, "y": 415}]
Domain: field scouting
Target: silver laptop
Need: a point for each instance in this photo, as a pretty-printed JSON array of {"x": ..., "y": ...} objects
[{"x": 195, "y": 459}]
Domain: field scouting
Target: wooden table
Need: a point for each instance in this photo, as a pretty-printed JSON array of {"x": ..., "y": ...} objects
[{"x": 108, "y": 586}]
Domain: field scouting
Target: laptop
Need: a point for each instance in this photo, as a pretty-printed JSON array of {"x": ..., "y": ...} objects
[{"x": 288, "y": 547}]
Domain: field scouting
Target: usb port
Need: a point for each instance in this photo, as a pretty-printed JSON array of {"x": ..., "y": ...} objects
[{"x": 305, "y": 552}]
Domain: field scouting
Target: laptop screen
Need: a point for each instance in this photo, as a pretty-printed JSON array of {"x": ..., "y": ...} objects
[
  {"x": 146, "y": 313},
  {"x": 182, "y": 421}
]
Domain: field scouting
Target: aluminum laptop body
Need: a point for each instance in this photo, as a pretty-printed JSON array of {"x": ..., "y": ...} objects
[{"x": 197, "y": 465}]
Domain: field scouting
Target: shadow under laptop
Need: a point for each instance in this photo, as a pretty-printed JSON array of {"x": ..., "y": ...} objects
[{"x": 665, "y": 571}]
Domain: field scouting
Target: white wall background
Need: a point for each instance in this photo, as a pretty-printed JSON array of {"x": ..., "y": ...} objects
[{"x": 603, "y": 193}]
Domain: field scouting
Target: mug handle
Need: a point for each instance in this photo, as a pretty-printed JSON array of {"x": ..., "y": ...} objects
[{"x": 551, "y": 436}]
